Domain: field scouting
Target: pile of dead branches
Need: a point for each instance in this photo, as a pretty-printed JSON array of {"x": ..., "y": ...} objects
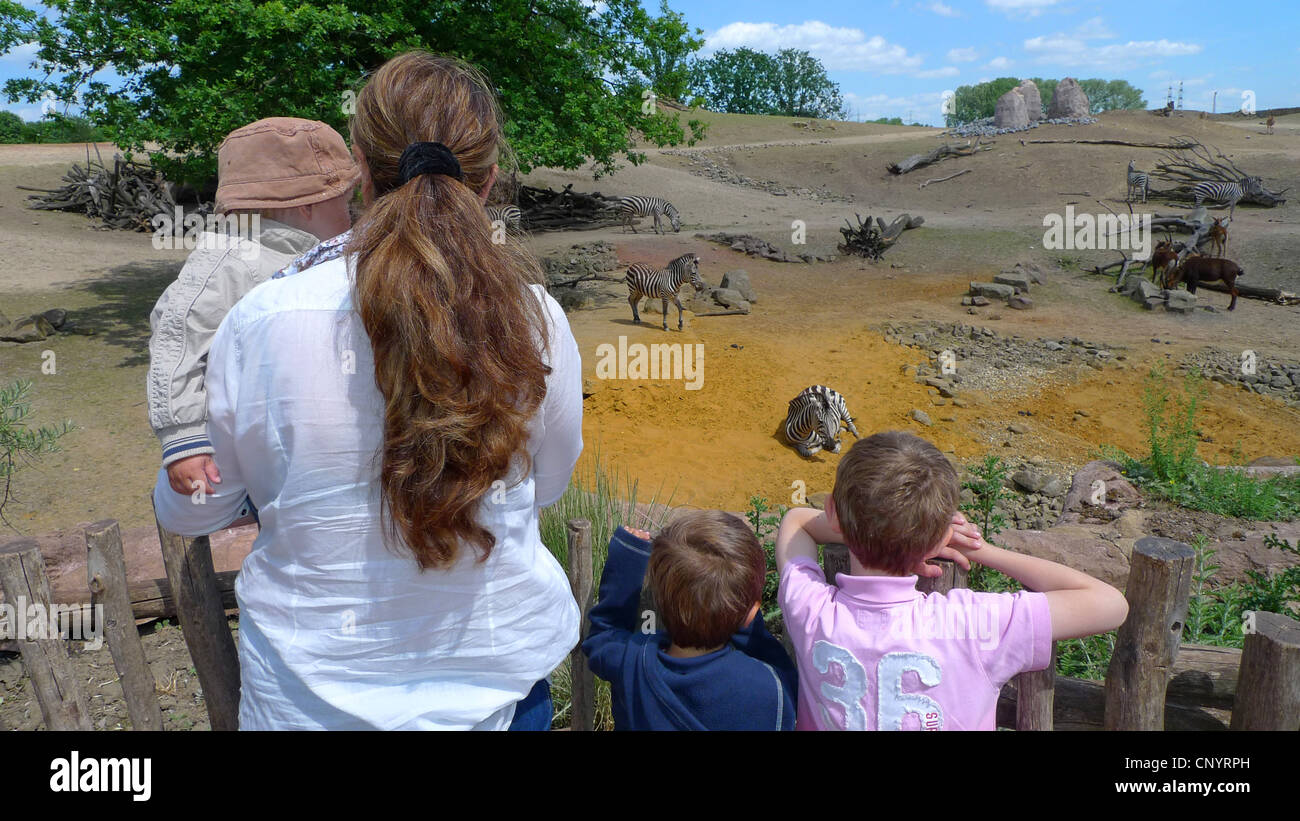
[
  {"x": 872, "y": 240},
  {"x": 125, "y": 197},
  {"x": 942, "y": 152},
  {"x": 548, "y": 210},
  {"x": 1186, "y": 166}
]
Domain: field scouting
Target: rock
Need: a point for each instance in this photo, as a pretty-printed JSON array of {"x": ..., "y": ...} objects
[
  {"x": 579, "y": 301},
  {"x": 1182, "y": 302},
  {"x": 1272, "y": 462},
  {"x": 1120, "y": 495},
  {"x": 1028, "y": 90},
  {"x": 921, "y": 416},
  {"x": 1068, "y": 100},
  {"x": 32, "y": 328},
  {"x": 979, "y": 301},
  {"x": 728, "y": 298},
  {"x": 1016, "y": 427},
  {"x": 992, "y": 290},
  {"x": 959, "y": 402},
  {"x": 1020, "y": 302},
  {"x": 818, "y": 500},
  {"x": 57, "y": 317},
  {"x": 1076, "y": 546},
  {"x": 1010, "y": 111},
  {"x": 738, "y": 281},
  {"x": 1030, "y": 481},
  {"x": 1054, "y": 487},
  {"x": 1015, "y": 279}
]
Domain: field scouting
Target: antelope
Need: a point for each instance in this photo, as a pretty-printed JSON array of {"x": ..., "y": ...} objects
[
  {"x": 1196, "y": 270},
  {"x": 1218, "y": 236}
]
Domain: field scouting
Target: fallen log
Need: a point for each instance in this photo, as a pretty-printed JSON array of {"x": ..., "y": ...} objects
[
  {"x": 1182, "y": 144},
  {"x": 1080, "y": 704},
  {"x": 943, "y": 179},
  {"x": 545, "y": 209},
  {"x": 942, "y": 152},
  {"x": 1276, "y": 295}
]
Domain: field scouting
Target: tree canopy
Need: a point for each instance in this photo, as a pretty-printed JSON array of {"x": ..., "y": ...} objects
[
  {"x": 790, "y": 83},
  {"x": 974, "y": 102},
  {"x": 571, "y": 79}
]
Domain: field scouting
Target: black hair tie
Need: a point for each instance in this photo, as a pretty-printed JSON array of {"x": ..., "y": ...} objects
[{"x": 428, "y": 158}]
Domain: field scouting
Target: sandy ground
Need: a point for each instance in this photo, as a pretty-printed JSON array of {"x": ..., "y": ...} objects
[{"x": 718, "y": 445}]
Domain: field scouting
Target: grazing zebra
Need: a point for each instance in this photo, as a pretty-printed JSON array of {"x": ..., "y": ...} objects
[
  {"x": 1226, "y": 193},
  {"x": 631, "y": 207},
  {"x": 642, "y": 280},
  {"x": 1137, "y": 181},
  {"x": 510, "y": 215},
  {"x": 814, "y": 419}
]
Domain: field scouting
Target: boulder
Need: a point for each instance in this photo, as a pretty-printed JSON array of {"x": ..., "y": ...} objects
[
  {"x": 728, "y": 298},
  {"x": 1120, "y": 495},
  {"x": 1030, "y": 481},
  {"x": 1020, "y": 302},
  {"x": 1016, "y": 279},
  {"x": 920, "y": 416},
  {"x": 992, "y": 290},
  {"x": 1076, "y": 546},
  {"x": 1183, "y": 302},
  {"x": 32, "y": 328},
  {"x": 1143, "y": 290},
  {"x": 1033, "y": 100},
  {"x": 1068, "y": 100},
  {"x": 1010, "y": 111},
  {"x": 57, "y": 317},
  {"x": 738, "y": 281}
]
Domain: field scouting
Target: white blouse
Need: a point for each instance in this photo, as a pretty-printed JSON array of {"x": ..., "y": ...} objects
[{"x": 337, "y": 631}]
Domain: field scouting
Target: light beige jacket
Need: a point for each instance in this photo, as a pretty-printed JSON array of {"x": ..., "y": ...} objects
[{"x": 187, "y": 316}]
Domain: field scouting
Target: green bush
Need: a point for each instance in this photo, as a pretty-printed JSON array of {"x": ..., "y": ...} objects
[{"x": 11, "y": 127}]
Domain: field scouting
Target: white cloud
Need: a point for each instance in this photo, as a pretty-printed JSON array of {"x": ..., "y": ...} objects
[
  {"x": 930, "y": 74},
  {"x": 1093, "y": 29},
  {"x": 998, "y": 63},
  {"x": 839, "y": 48},
  {"x": 1071, "y": 50},
  {"x": 941, "y": 9},
  {"x": 19, "y": 56},
  {"x": 962, "y": 55},
  {"x": 926, "y": 107},
  {"x": 1021, "y": 8}
]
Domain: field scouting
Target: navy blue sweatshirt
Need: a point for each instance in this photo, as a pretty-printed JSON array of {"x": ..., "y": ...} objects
[{"x": 750, "y": 684}]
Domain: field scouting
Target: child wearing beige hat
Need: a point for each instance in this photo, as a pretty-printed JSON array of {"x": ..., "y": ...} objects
[{"x": 294, "y": 178}]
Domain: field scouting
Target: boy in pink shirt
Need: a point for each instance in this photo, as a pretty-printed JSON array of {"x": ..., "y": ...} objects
[{"x": 873, "y": 652}]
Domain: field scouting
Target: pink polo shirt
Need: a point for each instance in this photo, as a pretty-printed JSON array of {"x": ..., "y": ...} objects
[{"x": 874, "y": 653}]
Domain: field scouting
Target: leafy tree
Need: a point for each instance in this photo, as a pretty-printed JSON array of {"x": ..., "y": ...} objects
[
  {"x": 1111, "y": 95},
  {"x": 735, "y": 82},
  {"x": 194, "y": 70},
  {"x": 1046, "y": 88},
  {"x": 11, "y": 127},
  {"x": 662, "y": 59},
  {"x": 800, "y": 87},
  {"x": 978, "y": 101}
]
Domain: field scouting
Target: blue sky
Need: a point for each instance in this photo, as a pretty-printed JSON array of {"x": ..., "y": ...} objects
[{"x": 897, "y": 57}]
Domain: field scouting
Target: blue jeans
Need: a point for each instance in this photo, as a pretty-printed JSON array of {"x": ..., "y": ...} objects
[{"x": 535, "y": 711}]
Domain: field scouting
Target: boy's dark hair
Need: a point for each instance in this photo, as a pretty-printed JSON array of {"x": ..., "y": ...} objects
[
  {"x": 895, "y": 495},
  {"x": 706, "y": 571}
]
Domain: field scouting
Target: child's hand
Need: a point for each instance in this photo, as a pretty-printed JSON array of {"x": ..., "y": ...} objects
[
  {"x": 640, "y": 534},
  {"x": 963, "y": 537},
  {"x": 187, "y": 475}
]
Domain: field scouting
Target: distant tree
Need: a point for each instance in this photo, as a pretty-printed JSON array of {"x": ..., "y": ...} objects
[
  {"x": 1111, "y": 95},
  {"x": 11, "y": 127},
  {"x": 888, "y": 121},
  {"x": 194, "y": 70},
  {"x": 1046, "y": 88},
  {"x": 978, "y": 101},
  {"x": 735, "y": 82},
  {"x": 663, "y": 57},
  {"x": 800, "y": 87}
]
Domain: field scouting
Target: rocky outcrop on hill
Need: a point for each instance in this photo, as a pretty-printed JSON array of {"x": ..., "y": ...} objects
[
  {"x": 1010, "y": 111},
  {"x": 1068, "y": 100}
]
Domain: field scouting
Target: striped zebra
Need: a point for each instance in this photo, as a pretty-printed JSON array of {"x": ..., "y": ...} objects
[
  {"x": 642, "y": 280},
  {"x": 814, "y": 419},
  {"x": 510, "y": 215},
  {"x": 1137, "y": 181},
  {"x": 1225, "y": 193},
  {"x": 630, "y": 208}
]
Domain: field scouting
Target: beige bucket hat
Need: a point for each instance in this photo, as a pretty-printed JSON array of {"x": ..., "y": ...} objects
[{"x": 282, "y": 162}]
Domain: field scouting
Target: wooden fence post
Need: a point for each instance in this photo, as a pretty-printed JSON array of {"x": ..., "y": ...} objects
[
  {"x": 106, "y": 573},
  {"x": 1036, "y": 697},
  {"x": 45, "y": 657},
  {"x": 835, "y": 559},
  {"x": 1268, "y": 684},
  {"x": 953, "y": 576},
  {"x": 1159, "y": 584},
  {"x": 582, "y": 682},
  {"x": 203, "y": 624}
]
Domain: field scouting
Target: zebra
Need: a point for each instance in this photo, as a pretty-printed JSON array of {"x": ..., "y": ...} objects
[
  {"x": 1137, "y": 181},
  {"x": 509, "y": 215},
  {"x": 1226, "y": 193},
  {"x": 643, "y": 280},
  {"x": 814, "y": 419},
  {"x": 631, "y": 207}
]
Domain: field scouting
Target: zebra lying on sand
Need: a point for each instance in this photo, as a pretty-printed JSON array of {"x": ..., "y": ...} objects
[
  {"x": 643, "y": 280},
  {"x": 630, "y": 208},
  {"x": 814, "y": 419}
]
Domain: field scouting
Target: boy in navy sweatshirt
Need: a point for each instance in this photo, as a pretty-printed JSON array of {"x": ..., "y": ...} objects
[{"x": 715, "y": 667}]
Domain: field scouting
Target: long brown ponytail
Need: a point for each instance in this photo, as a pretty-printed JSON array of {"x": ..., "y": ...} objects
[{"x": 456, "y": 332}]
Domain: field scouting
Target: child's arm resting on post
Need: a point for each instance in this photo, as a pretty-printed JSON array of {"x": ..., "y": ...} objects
[
  {"x": 615, "y": 617},
  {"x": 802, "y": 529}
]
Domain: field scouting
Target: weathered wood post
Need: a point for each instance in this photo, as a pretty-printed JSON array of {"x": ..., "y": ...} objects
[
  {"x": 1159, "y": 584},
  {"x": 203, "y": 624},
  {"x": 835, "y": 559},
  {"x": 1036, "y": 697},
  {"x": 1268, "y": 685},
  {"x": 45, "y": 656},
  {"x": 953, "y": 576},
  {"x": 582, "y": 682},
  {"x": 106, "y": 573}
]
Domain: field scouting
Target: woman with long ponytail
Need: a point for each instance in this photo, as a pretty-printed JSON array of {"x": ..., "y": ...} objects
[{"x": 397, "y": 415}]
